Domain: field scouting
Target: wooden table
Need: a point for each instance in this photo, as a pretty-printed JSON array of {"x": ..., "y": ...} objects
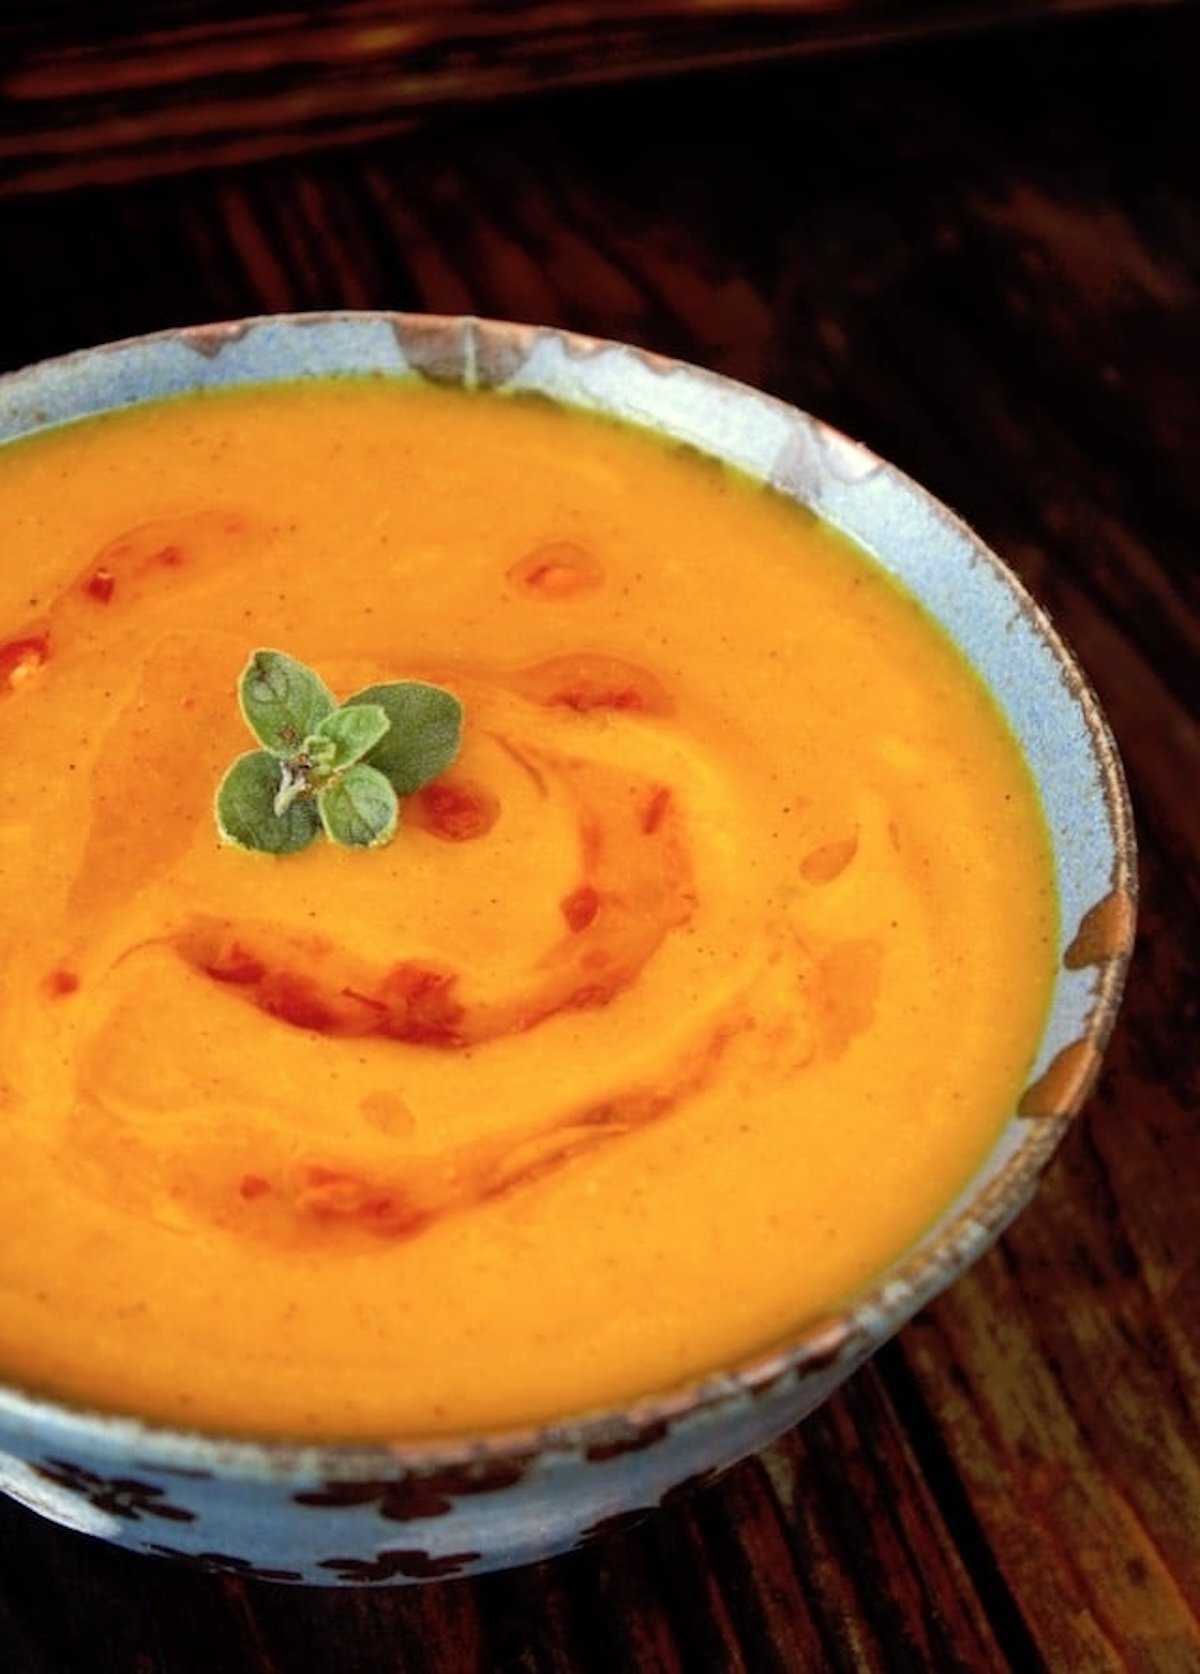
[{"x": 981, "y": 255}]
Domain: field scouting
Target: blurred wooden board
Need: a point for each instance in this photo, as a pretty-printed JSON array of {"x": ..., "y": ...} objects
[{"x": 93, "y": 93}]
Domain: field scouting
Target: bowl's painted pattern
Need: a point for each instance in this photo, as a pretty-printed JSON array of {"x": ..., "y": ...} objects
[{"x": 351, "y": 1514}]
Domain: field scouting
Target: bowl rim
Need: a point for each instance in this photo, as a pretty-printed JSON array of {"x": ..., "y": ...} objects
[{"x": 848, "y": 1333}]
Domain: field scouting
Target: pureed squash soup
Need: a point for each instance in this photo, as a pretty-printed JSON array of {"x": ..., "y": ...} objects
[{"x": 681, "y": 1003}]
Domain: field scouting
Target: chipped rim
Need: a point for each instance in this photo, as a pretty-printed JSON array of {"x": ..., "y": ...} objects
[{"x": 455, "y": 349}]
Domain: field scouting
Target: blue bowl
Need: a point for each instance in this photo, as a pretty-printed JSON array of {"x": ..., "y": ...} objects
[{"x": 409, "y": 1512}]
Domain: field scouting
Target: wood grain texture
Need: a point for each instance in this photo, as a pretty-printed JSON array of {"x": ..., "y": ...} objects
[
  {"x": 982, "y": 257},
  {"x": 107, "y": 93}
]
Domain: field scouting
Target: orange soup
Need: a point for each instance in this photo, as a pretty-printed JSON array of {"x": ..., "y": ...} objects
[{"x": 680, "y": 1004}]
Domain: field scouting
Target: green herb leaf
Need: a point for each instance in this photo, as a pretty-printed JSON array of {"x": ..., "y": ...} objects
[
  {"x": 351, "y": 731},
  {"x": 423, "y": 736},
  {"x": 282, "y": 701},
  {"x": 315, "y": 756},
  {"x": 246, "y": 808},
  {"x": 359, "y": 808},
  {"x": 325, "y": 767}
]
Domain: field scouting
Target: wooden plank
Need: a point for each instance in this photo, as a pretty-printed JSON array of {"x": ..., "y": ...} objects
[{"x": 99, "y": 94}]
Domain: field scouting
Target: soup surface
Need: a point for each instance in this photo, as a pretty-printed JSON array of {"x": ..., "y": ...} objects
[{"x": 683, "y": 1001}]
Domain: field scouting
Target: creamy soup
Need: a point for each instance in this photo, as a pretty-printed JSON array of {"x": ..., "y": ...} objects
[{"x": 680, "y": 1004}]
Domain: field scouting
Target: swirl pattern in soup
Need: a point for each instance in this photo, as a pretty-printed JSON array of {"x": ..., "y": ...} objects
[{"x": 680, "y": 1005}]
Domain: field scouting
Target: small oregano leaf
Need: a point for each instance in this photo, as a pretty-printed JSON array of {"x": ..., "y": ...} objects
[
  {"x": 316, "y": 754},
  {"x": 352, "y": 731},
  {"x": 340, "y": 769},
  {"x": 246, "y": 808},
  {"x": 359, "y": 808},
  {"x": 282, "y": 701},
  {"x": 423, "y": 736}
]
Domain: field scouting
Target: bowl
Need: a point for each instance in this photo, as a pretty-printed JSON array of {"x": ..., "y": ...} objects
[{"x": 373, "y": 1514}]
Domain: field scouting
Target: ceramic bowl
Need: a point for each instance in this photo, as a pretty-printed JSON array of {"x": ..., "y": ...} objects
[{"x": 374, "y": 1514}]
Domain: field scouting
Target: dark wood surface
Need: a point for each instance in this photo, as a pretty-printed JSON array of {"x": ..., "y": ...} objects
[
  {"x": 164, "y": 85},
  {"x": 981, "y": 255}
]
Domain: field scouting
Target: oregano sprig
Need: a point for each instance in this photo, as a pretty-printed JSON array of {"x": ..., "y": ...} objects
[{"x": 327, "y": 767}]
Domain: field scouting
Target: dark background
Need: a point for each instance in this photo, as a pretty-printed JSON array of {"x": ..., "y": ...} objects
[{"x": 971, "y": 238}]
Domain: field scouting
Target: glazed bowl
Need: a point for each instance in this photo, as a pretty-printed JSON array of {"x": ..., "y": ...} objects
[{"x": 354, "y": 1514}]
